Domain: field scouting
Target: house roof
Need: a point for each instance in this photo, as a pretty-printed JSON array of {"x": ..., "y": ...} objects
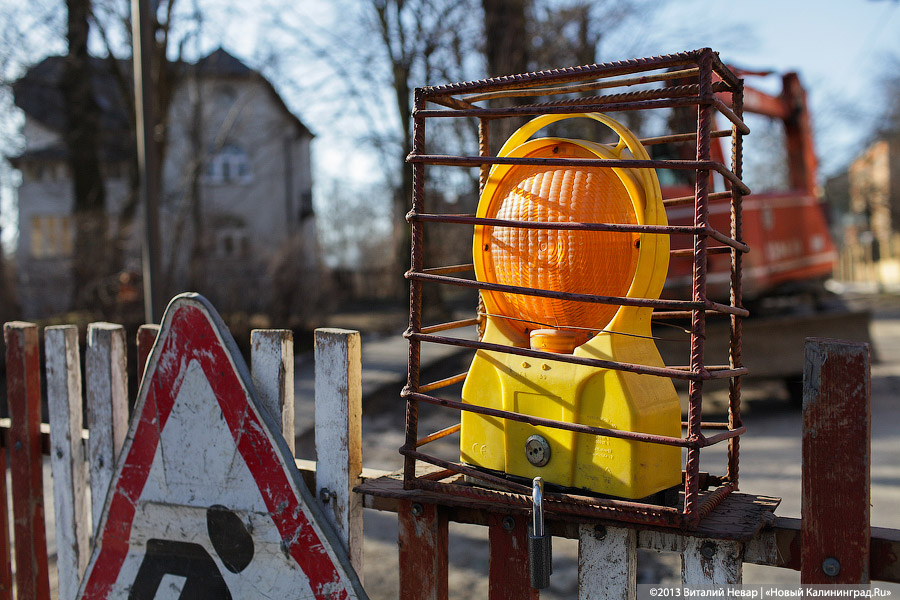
[
  {"x": 221, "y": 63},
  {"x": 39, "y": 94}
]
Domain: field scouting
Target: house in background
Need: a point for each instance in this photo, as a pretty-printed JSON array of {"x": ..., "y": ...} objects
[
  {"x": 871, "y": 250},
  {"x": 236, "y": 214}
]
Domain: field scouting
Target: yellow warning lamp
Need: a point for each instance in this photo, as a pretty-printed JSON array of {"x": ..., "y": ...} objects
[{"x": 603, "y": 263}]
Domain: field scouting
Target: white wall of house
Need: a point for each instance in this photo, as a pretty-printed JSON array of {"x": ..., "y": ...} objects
[
  {"x": 47, "y": 236},
  {"x": 37, "y": 136},
  {"x": 252, "y": 165}
]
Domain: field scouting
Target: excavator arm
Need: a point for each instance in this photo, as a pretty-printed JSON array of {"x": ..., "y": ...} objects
[{"x": 790, "y": 107}]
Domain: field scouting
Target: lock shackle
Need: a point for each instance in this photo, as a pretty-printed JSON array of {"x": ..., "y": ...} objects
[{"x": 537, "y": 501}]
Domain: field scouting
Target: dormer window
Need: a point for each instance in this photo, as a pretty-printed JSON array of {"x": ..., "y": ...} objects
[{"x": 231, "y": 164}]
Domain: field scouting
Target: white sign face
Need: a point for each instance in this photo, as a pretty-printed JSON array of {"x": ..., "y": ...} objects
[{"x": 206, "y": 502}]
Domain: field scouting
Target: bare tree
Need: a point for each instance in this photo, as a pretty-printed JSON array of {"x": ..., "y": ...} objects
[
  {"x": 506, "y": 52},
  {"x": 82, "y": 141},
  {"x": 172, "y": 31},
  {"x": 368, "y": 85},
  {"x": 889, "y": 124}
]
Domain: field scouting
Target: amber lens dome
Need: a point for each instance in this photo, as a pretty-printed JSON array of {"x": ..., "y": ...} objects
[{"x": 583, "y": 262}]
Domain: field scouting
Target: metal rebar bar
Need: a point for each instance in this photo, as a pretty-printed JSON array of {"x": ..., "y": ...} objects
[
  {"x": 484, "y": 149},
  {"x": 681, "y": 137},
  {"x": 680, "y": 314},
  {"x": 649, "y": 438},
  {"x": 726, "y": 435},
  {"x": 450, "y": 269},
  {"x": 584, "y": 506},
  {"x": 712, "y": 372},
  {"x": 566, "y": 108},
  {"x": 553, "y": 225},
  {"x": 682, "y": 200},
  {"x": 442, "y": 383},
  {"x": 475, "y": 161},
  {"x": 666, "y": 93},
  {"x": 589, "y": 298},
  {"x": 725, "y": 308},
  {"x": 710, "y": 502},
  {"x": 729, "y": 114},
  {"x": 688, "y": 253},
  {"x": 438, "y": 435},
  {"x": 566, "y": 75},
  {"x": 736, "y": 294},
  {"x": 450, "y": 325},
  {"x": 585, "y": 87},
  {"x": 708, "y": 425},
  {"x": 721, "y": 237},
  {"x": 415, "y": 294},
  {"x": 698, "y": 294}
]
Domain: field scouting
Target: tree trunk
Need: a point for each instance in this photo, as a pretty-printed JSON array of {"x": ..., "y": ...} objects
[
  {"x": 506, "y": 53},
  {"x": 197, "y": 264},
  {"x": 90, "y": 261},
  {"x": 403, "y": 196}
]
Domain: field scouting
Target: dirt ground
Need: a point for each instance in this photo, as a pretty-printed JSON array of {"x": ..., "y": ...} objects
[{"x": 770, "y": 465}]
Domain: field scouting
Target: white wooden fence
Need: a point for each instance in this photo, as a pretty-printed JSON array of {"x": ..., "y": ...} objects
[{"x": 607, "y": 555}]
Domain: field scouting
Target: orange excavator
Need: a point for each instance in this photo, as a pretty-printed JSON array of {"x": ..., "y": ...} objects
[{"x": 792, "y": 250}]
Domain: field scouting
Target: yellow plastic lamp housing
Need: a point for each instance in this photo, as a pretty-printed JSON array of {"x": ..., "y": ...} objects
[{"x": 588, "y": 262}]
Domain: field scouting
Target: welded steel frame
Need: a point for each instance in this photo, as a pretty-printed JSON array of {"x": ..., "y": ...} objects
[{"x": 457, "y": 100}]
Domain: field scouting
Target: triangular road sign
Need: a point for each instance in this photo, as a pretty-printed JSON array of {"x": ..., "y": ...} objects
[{"x": 206, "y": 501}]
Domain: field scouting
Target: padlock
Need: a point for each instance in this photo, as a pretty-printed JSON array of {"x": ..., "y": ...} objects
[{"x": 540, "y": 551}]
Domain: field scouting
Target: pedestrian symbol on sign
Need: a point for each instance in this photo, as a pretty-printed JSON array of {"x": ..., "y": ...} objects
[{"x": 188, "y": 569}]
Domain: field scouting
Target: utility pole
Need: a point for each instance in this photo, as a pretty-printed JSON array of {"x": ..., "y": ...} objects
[{"x": 148, "y": 169}]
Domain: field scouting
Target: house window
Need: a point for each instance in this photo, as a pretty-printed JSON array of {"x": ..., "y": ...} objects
[
  {"x": 51, "y": 236},
  {"x": 306, "y": 205},
  {"x": 233, "y": 243},
  {"x": 33, "y": 171},
  {"x": 230, "y": 165}
]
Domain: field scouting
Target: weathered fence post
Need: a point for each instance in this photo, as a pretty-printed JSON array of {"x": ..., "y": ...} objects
[
  {"x": 23, "y": 384},
  {"x": 836, "y": 451},
  {"x": 424, "y": 544},
  {"x": 63, "y": 360},
  {"x": 711, "y": 562},
  {"x": 508, "y": 568},
  {"x": 107, "y": 407},
  {"x": 338, "y": 367},
  {"x": 5, "y": 558},
  {"x": 272, "y": 370},
  {"x": 607, "y": 563}
]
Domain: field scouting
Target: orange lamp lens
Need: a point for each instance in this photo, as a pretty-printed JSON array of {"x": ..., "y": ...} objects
[{"x": 585, "y": 262}]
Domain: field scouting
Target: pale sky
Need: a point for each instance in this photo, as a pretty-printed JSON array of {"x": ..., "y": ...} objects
[{"x": 837, "y": 46}]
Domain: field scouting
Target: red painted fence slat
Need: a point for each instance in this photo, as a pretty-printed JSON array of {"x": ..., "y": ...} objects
[
  {"x": 836, "y": 450},
  {"x": 146, "y": 337},
  {"x": 23, "y": 381},
  {"x": 509, "y": 571},
  {"x": 423, "y": 540},
  {"x": 5, "y": 558}
]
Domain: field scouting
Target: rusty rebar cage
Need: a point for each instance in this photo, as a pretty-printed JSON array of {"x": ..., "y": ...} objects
[{"x": 704, "y": 82}]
